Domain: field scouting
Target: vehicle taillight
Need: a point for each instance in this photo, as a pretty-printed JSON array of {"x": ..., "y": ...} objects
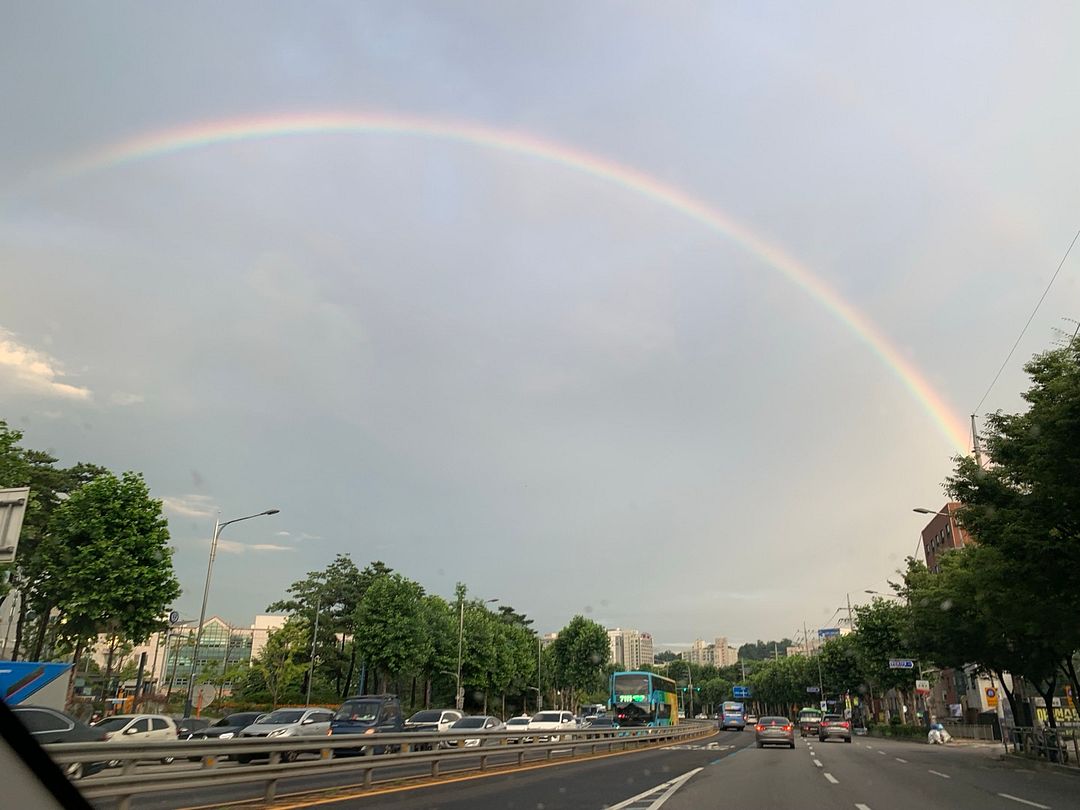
[
  {"x": 846, "y": 724},
  {"x": 788, "y": 727},
  {"x": 824, "y": 722},
  {"x": 759, "y": 727}
]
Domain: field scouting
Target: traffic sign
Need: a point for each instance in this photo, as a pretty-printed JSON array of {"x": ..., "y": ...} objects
[
  {"x": 174, "y": 617},
  {"x": 991, "y": 697},
  {"x": 922, "y": 687},
  {"x": 824, "y": 705},
  {"x": 828, "y": 632},
  {"x": 901, "y": 663},
  {"x": 740, "y": 691},
  {"x": 813, "y": 689},
  {"x": 12, "y": 509}
]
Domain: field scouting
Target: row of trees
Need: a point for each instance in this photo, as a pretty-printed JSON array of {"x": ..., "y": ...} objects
[
  {"x": 93, "y": 558},
  {"x": 379, "y": 630}
]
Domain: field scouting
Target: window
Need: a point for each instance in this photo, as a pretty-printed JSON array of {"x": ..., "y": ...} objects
[
  {"x": 38, "y": 721},
  {"x": 159, "y": 724},
  {"x": 663, "y": 711},
  {"x": 141, "y": 725}
]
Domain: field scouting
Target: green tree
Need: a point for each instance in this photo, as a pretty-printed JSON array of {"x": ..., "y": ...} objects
[
  {"x": 580, "y": 653},
  {"x": 391, "y": 633},
  {"x": 108, "y": 562},
  {"x": 278, "y": 670}
]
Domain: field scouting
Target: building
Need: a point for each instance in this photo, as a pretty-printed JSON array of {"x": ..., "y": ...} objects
[
  {"x": 717, "y": 654},
  {"x": 631, "y": 649},
  {"x": 548, "y": 638},
  {"x": 942, "y": 534},
  {"x": 265, "y": 624},
  {"x": 700, "y": 653}
]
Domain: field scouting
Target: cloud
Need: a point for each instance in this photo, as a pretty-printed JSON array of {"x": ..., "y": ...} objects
[
  {"x": 189, "y": 505},
  {"x": 281, "y": 534},
  {"x": 232, "y": 547},
  {"x": 35, "y": 371},
  {"x": 122, "y": 398}
]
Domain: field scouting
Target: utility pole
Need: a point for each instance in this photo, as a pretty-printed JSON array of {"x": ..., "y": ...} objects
[
  {"x": 539, "y": 694},
  {"x": 314, "y": 639},
  {"x": 975, "y": 442},
  {"x": 850, "y": 623}
]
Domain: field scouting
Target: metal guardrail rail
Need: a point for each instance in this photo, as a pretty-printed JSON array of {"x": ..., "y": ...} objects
[
  {"x": 1060, "y": 746},
  {"x": 123, "y": 782}
]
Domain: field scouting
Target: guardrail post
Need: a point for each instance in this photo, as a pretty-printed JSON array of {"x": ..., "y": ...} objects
[
  {"x": 521, "y": 757},
  {"x": 271, "y": 790},
  {"x": 367, "y": 778},
  {"x": 124, "y": 803},
  {"x": 483, "y": 762},
  {"x": 434, "y": 768}
]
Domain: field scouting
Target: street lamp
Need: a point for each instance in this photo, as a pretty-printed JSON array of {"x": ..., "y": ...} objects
[
  {"x": 218, "y": 526},
  {"x": 459, "y": 697}
]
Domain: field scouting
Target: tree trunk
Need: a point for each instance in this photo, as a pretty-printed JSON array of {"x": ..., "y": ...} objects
[
  {"x": 108, "y": 670},
  {"x": 1010, "y": 696},
  {"x": 1048, "y": 697},
  {"x": 74, "y": 670},
  {"x": 344, "y": 693},
  {"x": 412, "y": 697},
  {"x": 39, "y": 635},
  {"x": 19, "y": 624}
]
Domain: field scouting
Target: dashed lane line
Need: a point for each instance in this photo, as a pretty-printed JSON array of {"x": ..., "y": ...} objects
[
  {"x": 654, "y": 798},
  {"x": 939, "y": 773},
  {"x": 832, "y": 778},
  {"x": 1024, "y": 801},
  {"x": 817, "y": 762},
  {"x": 862, "y": 807},
  {"x": 882, "y": 753},
  {"x": 900, "y": 759}
]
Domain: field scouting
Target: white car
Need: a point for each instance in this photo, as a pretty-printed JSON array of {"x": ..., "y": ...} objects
[
  {"x": 138, "y": 728},
  {"x": 520, "y": 723},
  {"x": 287, "y": 723},
  {"x": 751, "y": 719},
  {"x": 543, "y": 723}
]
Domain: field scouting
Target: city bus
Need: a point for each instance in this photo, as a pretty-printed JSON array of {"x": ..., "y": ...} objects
[
  {"x": 643, "y": 699},
  {"x": 733, "y": 715}
]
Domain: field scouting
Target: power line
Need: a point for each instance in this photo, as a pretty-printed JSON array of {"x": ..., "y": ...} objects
[{"x": 1026, "y": 325}]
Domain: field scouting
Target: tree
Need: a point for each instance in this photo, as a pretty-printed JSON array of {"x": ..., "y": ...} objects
[
  {"x": 580, "y": 653},
  {"x": 764, "y": 650},
  {"x": 280, "y": 666},
  {"x": 391, "y": 633},
  {"x": 665, "y": 656},
  {"x": 108, "y": 562}
]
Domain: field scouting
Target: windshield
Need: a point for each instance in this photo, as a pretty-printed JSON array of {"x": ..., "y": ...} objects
[
  {"x": 282, "y": 717},
  {"x": 518, "y": 721},
  {"x": 245, "y": 719},
  {"x": 548, "y": 717},
  {"x": 425, "y": 717},
  {"x": 470, "y": 722},
  {"x": 362, "y": 711},
  {"x": 631, "y": 687},
  {"x": 113, "y": 723}
]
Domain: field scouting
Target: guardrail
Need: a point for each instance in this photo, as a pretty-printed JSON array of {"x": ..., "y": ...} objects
[
  {"x": 512, "y": 748},
  {"x": 1060, "y": 746}
]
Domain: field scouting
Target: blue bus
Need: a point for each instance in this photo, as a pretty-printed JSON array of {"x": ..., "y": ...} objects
[
  {"x": 733, "y": 715},
  {"x": 643, "y": 699}
]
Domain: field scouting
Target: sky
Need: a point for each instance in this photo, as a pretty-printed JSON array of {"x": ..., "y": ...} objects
[{"x": 664, "y": 314}]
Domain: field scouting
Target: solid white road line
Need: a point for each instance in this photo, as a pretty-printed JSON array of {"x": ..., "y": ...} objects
[
  {"x": 832, "y": 778},
  {"x": 939, "y": 773},
  {"x": 898, "y": 759},
  {"x": 817, "y": 762},
  {"x": 669, "y": 787},
  {"x": 1024, "y": 801}
]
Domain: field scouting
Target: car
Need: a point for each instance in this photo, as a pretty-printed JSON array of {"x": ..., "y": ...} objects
[
  {"x": 52, "y": 726},
  {"x": 546, "y": 722},
  {"x": 520, "y": 723},
  {"x": 226, "y": 728},
  {"x": 298, "y": 722},
  {"x": 834, "y": 725},
  {"x": 751, "y": 719},
  {"x": 136, "y": 728},
  {"x": 774, "y": 731},
  {"x": 809, "y": 721},
  {"x": 186, "y": 725},
  {"x": 431, "y": 721},
  {"x": 482, "y": 724},
  {"x": 599, "y": 724},
  {"x": 364, "y": 715}
]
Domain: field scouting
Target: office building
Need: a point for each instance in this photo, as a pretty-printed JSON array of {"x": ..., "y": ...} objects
[{"x": 630, "y": 649}]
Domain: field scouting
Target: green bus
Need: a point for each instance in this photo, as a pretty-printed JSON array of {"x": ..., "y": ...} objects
[{"x": 643, "y": 699}]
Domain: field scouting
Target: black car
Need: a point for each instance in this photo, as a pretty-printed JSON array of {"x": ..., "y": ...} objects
[
  {"x": 224, "y": 729},
  {"x": 187, "y": 725},
  {"x": 52, "y": 726},
  {"x": 603, "y": 723},
  {"x": 366, "y": 715}
]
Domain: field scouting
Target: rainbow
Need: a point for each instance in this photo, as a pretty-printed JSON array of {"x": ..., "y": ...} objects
[{"x": 169, "y": 141}]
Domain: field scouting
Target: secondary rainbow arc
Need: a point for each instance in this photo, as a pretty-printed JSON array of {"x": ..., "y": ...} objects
[{"x": 209, "y": 133}]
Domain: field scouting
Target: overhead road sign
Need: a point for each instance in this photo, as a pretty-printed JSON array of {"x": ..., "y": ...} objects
[
  {"x": 901, "y": 663},
  {"x": 740, "y": 691},
  {"x": 12, "y": 508},
  {"x": 813, "y": 689},
  {"x": 828, "y": 632}
]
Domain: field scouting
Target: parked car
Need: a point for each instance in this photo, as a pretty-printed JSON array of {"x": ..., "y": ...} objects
[
  {"x": 482, "y": 724},
  {"x": 520, "y": 723},
  {"x": 137, "y": 728},
  {"x": 543, "y": 723},
  {"x": 774, "y": 731},
  {"x": 363, "y": 716},
  {"x": 834, "y": 725},
  {"x": 297, "y": 723},
  {"x": 431, "y": 721},
  {"x": 51, "y": 726}
]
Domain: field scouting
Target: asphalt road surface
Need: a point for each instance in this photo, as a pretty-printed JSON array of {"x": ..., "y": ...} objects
[{"x": 728, "y": 771}]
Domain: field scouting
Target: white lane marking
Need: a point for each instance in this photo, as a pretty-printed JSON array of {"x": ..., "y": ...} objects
[
  {"x": 817, "y": 762},
  {"x": 1024, "y": 801},
  {"x": 939, "y": 773},
  {"x": 862, "y": 807},
  {"x": 669, "y": 787},
  {"x": 832, "y": 778},
  {"x": 868, "y": 746},
  {"x": 882, "y": 753},
  {"x": 898, "y": 759}
]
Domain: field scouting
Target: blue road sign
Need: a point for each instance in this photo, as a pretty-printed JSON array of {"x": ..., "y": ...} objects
[
  {"x": 901, "y": 663},
  {"x": 740, "y": 691},
  {"x": 828, "y": 632}
]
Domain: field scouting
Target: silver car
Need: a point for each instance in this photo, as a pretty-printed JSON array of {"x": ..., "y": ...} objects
[
  {"x": 482, "y": 725},
  {"x": 775, "y": 731},
  {"x": 287, "y": 723}
]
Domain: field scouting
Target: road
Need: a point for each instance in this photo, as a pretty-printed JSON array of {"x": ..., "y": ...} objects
[{"x": 727, "y": 770}]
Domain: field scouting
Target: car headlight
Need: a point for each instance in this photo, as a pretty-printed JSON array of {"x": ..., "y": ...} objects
[
  {"x": 228, "y": 735},
  {"x": 370, "y": 730},
  {"x": 280, "y": 732}
]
